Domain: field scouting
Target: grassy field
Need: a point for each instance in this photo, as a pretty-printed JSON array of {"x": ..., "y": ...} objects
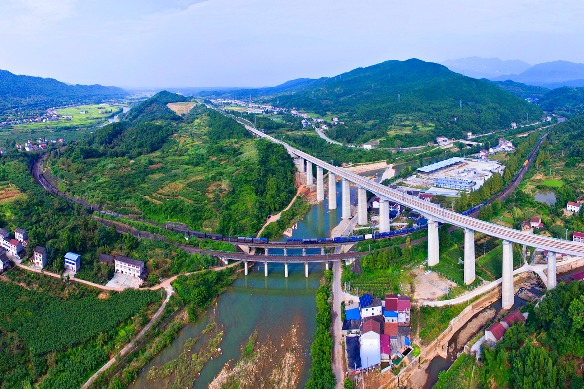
[
  {"x": 550, "y": 183},
  {"x": 68, "y": 129}
]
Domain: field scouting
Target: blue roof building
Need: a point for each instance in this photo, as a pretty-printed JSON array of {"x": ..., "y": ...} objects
[
  {"x": 365, "y": 300},
  {"x": 353, "y": 314},
  {"x": 72, "y": 261}
]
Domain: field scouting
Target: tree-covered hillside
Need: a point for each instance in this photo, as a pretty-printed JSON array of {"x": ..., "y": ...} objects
[
  {"x": 564, "y": 101},
  {"x": 21, "y": 93},
  {"x": 202, "y": 169},
  {"x": 410, "y": 102}
]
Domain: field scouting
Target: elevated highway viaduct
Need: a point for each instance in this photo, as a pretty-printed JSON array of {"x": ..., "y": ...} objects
[{"x": 433, "y": 212}]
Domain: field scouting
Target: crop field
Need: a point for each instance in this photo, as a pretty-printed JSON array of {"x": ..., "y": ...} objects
[
  {"x": 181, "y": 108},
  {"x": 9, "y": 192},
  {"x": 550, "y": 183}
]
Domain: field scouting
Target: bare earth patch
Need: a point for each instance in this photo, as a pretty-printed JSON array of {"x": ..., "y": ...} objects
[
  {"x": 430, "y": 285},
  {"x": 181, "y": 108}
]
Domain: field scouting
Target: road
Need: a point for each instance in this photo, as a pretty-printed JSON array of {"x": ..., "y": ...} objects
[
  {"x": 338, "y": 355},
  {"x": 538, "y": 269},
  {"x": 130, "y": 346}
]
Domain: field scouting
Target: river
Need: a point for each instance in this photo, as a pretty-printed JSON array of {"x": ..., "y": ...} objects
[{"x": 269, "y": 305}]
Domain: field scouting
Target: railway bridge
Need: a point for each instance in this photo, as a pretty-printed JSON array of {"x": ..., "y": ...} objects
[{"x": 433, "y": 212}]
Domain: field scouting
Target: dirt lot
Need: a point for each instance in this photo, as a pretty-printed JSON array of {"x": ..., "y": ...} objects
[{"x": 430, "y": 285}]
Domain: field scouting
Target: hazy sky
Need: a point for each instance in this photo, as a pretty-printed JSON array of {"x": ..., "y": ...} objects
[{"x": 164, "y": 43}]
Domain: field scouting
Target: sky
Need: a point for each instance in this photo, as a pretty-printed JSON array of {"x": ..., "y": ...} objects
[{"x": 228, "y": 43}]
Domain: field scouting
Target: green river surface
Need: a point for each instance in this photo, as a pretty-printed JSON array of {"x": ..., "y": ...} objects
[{"x": 267, "y": 304}]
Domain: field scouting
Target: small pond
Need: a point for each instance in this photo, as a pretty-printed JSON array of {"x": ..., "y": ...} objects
[{"x": 547, "y": 197}]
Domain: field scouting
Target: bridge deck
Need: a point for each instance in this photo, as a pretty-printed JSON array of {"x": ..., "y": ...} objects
[{"x": 436, "y": 211}]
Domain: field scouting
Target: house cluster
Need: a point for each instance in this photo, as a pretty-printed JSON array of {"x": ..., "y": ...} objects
[
  {"x": 14, "y": 246},
  {"x": 378, "y": 331},
  {"x": 125, "y": 265},
  {"x": 39, "y": 144},
  {"x": 504, "y": 146},
  {"x": 578, "y": 237},
  {"x": 496, "y": 331},
  {"x": 49, "y": 116},
  {"x": 574, "y": 206}
]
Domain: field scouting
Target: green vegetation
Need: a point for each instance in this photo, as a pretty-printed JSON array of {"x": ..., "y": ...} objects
[
  {"x": 410, "y": 102},
  {"x": 25, "y": 95},
  {"x": 552, "y": 183},
  {"x": 545, "y": 353},
  {"x": 433, "y": 321},
  {"x": 201, "y": 169},
  {"x": 197, "y": 291},
  {"x": 321, "y": 372},
  {"x": 59, "y": 334},
  {"x": 298, "y": 209},
  {"x": 462, "y": 374},
  {"x": 563, "y": 101}
]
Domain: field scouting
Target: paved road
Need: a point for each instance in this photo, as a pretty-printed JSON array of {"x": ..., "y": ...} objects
[
  {"x": 337, "y": 326},
  {"x": 539, "y": 269}
]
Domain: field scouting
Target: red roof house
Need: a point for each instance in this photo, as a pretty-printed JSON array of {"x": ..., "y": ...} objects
[
  {"x": 404, "y": 303},
  {"x": 391, "y": 302},
  {"x": 578, "y": 236},
  {"x": 495, "y": 332},
  {"x": 390, "y": 329},
  {"x": 513, "y": 318},
  {"x": 385, "y": 346},
  {"x": 371, "y": 325}
]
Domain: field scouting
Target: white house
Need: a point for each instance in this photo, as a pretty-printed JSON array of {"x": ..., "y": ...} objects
[
  {"x": 370, "y": 343},
  {"x": 72, "y": 262},
  {"x": 4, "y": 261},
  {"x": 21, "y": 236},
  {"x": 39, "y": 257},
  {"x": 13, "y": 246},
  {"x": 573, "y": 207},
  {"x": 372, "y": 310},
  {"x": 129, "y": 266}
]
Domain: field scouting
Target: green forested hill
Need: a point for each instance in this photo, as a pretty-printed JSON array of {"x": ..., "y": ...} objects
[
  {"x": 35, "y": 93},
  {"x": 564, "y": 101},
  {"x": 202, "y": 169}
]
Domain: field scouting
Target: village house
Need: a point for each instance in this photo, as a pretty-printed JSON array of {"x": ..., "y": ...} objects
[
  {"x": 535, "y": 222},
  {"x": 370, "y": 306},
  {"x": 21, "y": 236},
  {"x": 573, "y": 207},
  {"x": 125, "y": 265},
  {"x": 39, "y": 257},
  {"x": 497, "y": 330},
  {"x": 72, "y": 262},
  {"x": 370, "y": 343},
  {"x": 443, "y": 141},
  {"x": 4, "y": 261},
  {"x": 4, "y": 234},
  {"x": 578, "y": 237},
  {"x": 385, "y": 347},
  {"x": 13, "y": 247},
  {"x": 403, "y": 310}
]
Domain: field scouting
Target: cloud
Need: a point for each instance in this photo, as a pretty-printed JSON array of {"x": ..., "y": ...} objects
[{"x": 28, "y": 18}]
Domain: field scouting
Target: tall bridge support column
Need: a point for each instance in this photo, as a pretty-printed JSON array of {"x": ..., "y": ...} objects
[
  {"x": 384, "y": 216},
  {"x": 508, "y": 292},
  {"x": 551, "y": 268},
  {"x": 301, "y": 166},
  {"x": 286, "y": 269},
  {"x": 303, "y": 252},
  {"x": 362, "y": 206},
  {"x": 332, "y": 182},
  {"x": 285, "y": 252},
  {"x": 322, "y": 251},
  {"x": 469, "y": 256},
  {"x": 319, "y": 184},
  {"x": 265, "y": 269},
  {"x": 267, "y": 251},
  {"x": 306, "y": 269},
  {"x": 346, "y": 200},
  {"x": 245, "y": 267},
  {"x": 433, "y": 243},
  {"x": 326, "y": 265},
  {"x": 309, "y": 177}
]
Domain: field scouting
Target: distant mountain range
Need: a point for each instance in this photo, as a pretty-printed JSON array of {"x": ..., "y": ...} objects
[
  {"x": 490, "y": 68},
  {"x": 378, "y": 97},
  {"x": 23, "y": 93},
  {"x": 549, "y": 74}
]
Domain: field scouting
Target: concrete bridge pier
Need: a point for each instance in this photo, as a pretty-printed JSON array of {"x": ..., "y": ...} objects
[
  {"x": 286, "y": 269},
  {"x": 306, "y": 269},
  {"x": 551, "y": 268},
  {"x": 319, "y": 184},
  {"x": 322, "y": 251},
  {"x": 326, "y": 265},
  {"x": 362, "y": 206},
  {"x": 384, "y": 216},
  {"x": 303, "y": 252},
  {"x": 346, "y": 200},
  {"x": 266, "y": 269},
  {"x": 508, "y": 292},
  {"x": 469, "y": 257},
  {"x": 285, "y": 252},
  {"x": 301, "y": 166},
  {"x": 433, "y": 243},
  {"x": 309, "y": 177},
  {"x": 332, "y": 182},
  {"x": 267, "y": 251},
  {"x": 245, "y": 267}
]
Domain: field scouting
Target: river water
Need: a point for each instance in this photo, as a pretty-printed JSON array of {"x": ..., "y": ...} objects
[{"x": 269, "y": 305}]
